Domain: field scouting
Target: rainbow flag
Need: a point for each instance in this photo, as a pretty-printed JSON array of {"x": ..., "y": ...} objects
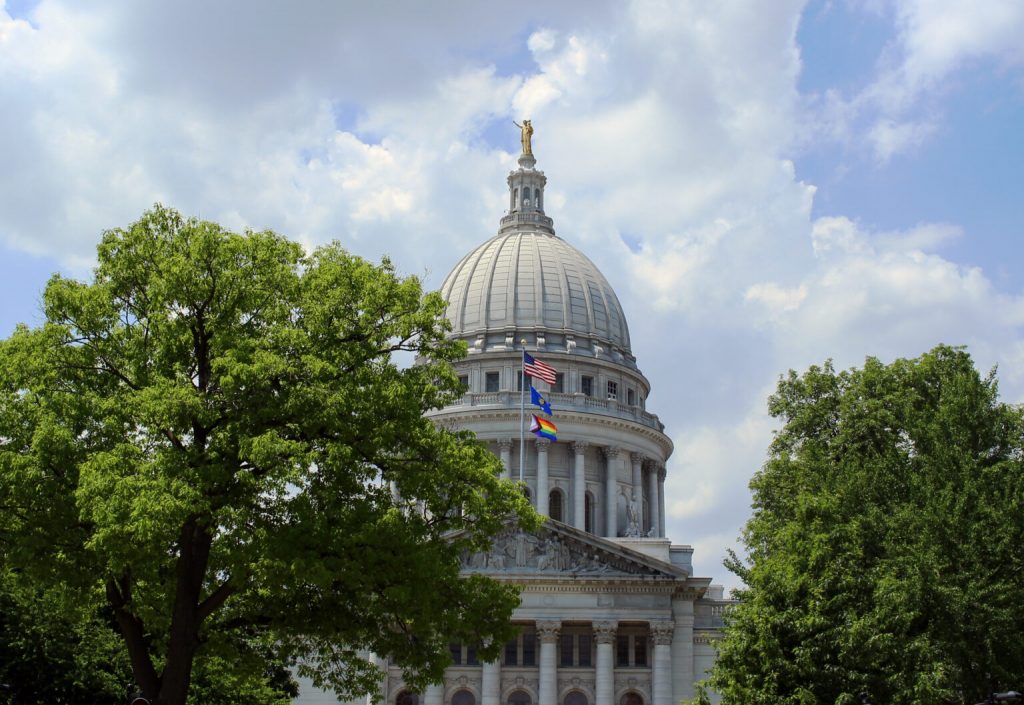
[{"x": 543, "y": 428}]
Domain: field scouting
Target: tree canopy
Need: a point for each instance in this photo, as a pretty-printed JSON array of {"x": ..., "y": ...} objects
[
  {"x": 886, "y": 545},
  {"x": 211, "y": 442}
]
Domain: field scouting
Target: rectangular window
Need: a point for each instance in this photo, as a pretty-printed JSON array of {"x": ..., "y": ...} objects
[
  {"x": 471, "y": 659},
  {"x": 512, "y": 653},
  {"x": 565, "y": 648},
  {"x": 529, "y": 649},
  {"x": 519, "y": 381},
  {"x": 639, "y": 651},
  {"x": 558, "y": 386},
  {"x": 455, "y": 648},
  {"x": 587, "y": 385},
  {"x": 613, "y": 390},
  {"x": 622, "y": 650},
  {"x": 464, "y": 381},
  {"x": 492, "y": 381},
  {"x": 585, "y": 651},
  {"x": 630, "y": 397}
]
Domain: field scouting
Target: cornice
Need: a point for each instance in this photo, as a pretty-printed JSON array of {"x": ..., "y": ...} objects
[{"x": 463, "y": 416}]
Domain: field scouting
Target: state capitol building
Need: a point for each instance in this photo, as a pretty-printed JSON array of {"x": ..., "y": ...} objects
[{"x": 610, "y": 612}]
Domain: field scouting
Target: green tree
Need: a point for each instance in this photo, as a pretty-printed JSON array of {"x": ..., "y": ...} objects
[
  {"x": 212, "y": 442},
  {"x": 54, "y": 649},
  {"x": 886, "y": 545}
]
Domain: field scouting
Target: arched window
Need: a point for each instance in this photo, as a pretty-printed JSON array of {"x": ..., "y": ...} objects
[
  {"x": 555, "y": 505},
  {"x": 515, "y": 198},
  {"x": 519, "y": 697},
  {"x": 526, "y": 195},
  {"x": 575, "y": 697},
  {"x": 631, "y": 698},
  {"x": 538, "y": 198},
  {"x": 588, "y": 513},
  {"x": 407, "y": 698},
  {"x": 463, "y": 697}
]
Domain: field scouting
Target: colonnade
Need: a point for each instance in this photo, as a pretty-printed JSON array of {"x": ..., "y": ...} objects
[
  {"x": 653, "y": 490},
  {"x": 661, "y": 691}
]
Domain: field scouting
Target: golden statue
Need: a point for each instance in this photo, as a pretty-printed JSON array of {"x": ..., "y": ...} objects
[{"x": 527, "y": 136}]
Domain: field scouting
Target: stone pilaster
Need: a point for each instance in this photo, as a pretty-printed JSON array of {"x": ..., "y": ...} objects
[
  {"x": 661, "y": 676},
  {"x": 547, "y": 686},
  {"x": 682, "y": 647},
  {"x": 543, "y": 487},
  {"x": 433, "y": 695},
  {"x": 604, "y": 683},
  {"x": 490, "y": 683},
  {"x": 505, "y": 450},
  {"x": 579, "y": 486},
  {"x": 382, "y": 664},
  {"x": 611, "y": 482}
]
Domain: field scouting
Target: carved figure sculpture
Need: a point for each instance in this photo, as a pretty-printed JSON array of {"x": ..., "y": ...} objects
[{"x": 527, "y": 136}]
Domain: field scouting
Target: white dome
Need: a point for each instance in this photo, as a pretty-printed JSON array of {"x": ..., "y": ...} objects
[{"x": 532, "y": 283}]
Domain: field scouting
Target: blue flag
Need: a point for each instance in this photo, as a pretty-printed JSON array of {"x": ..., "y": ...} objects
[{"x": 536, "y": 398}]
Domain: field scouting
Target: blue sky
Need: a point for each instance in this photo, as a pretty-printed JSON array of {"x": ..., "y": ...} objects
[{"x": 766, "y": 185}]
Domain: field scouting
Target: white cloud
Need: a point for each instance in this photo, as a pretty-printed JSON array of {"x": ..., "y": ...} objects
[
  {"x": 670, "y": 124},
  {"x": 935, "y": 43}
]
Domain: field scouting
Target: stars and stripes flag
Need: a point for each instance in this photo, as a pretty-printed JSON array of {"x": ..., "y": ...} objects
[{"x": 537, "y": 369}]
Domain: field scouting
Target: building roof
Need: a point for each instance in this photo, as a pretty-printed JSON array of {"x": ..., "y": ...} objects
[{"x": 528, "y": 283}]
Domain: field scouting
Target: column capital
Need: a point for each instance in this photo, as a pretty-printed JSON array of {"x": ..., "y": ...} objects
[
  {"x": 637, "y": 458},
  {"x": 579, "y": 447},
  {"x": 542, "y": 445},
  {"x": 505, "y": 444},
  {"x": 547, "y": 632},
  {"x": 661, "y": 473},
  {"x": 611, "y": 452},
  {"x": 662, "y": 630},
  {"x": 604, "y": 632},
  {"x": 650, "y": 464}
]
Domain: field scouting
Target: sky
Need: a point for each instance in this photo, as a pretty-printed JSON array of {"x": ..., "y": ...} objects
[{"x": 765, "y": 185}]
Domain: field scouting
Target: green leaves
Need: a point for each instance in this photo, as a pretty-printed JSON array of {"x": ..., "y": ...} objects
[
  {"x": 886, "y": 522},
  {"x": 216, "y": 436}
]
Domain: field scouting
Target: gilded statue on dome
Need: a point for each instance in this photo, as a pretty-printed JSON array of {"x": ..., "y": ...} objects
[{"x": 527, "y": 136}]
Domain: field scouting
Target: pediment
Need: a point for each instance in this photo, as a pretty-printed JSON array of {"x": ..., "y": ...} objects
[{"x": 557, "y": 550}]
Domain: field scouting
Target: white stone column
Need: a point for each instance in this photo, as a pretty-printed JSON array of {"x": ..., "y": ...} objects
[
  {"x": 604, "y": 683},
  {"x": 547, "y": 686},
  {"x": 661, "y": 501},
  {"x": 653, "y": 500},
  {"x": 638, "y": 474},
  {"x": 682, "y": 647},
  {"x": 434, "y": 695},
  {"x": 543, "y": 489},
  {"x": 579, "y": 486},
  {"x": 490, "y": 683},
  {"x": 611, "y": 486},
  {"x": 505, "y": 448},
  {"x": 661, "y": 677},
  {"x": 636, "y": 495}
]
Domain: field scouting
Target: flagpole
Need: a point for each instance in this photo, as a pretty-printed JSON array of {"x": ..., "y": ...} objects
[{"x": 522, "y": 408}]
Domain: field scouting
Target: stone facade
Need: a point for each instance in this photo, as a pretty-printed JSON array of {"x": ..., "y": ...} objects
[{"x": 611, "y": 613}]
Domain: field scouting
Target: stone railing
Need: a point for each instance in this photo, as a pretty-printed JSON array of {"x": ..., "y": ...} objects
[
  {"x": 564, "y": 402},
  {"x": 526, "y": 219}
]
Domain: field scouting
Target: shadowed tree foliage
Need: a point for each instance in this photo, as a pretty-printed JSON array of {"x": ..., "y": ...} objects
[
  {"x": 886, "y": 548},
  {"x": 202, "y": 443}
]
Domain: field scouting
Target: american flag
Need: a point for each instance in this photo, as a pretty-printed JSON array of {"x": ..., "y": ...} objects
[{"x": 537, "y": 369}]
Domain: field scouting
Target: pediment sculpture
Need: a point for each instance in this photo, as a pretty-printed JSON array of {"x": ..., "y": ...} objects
[{"x": 548, "y": 552}]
